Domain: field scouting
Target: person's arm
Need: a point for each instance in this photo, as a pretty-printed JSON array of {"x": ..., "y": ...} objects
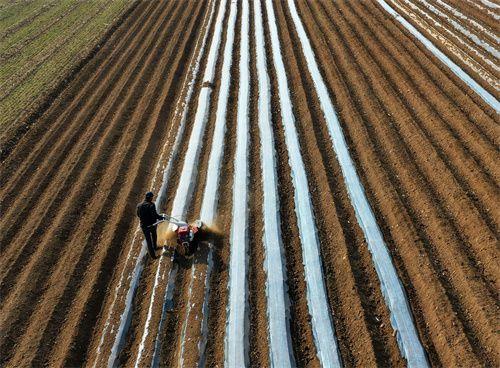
[{"x": 157, "y": 216}]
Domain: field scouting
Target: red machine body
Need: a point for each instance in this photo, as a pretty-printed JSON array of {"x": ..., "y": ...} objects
[{"x": 187, "y": 242}]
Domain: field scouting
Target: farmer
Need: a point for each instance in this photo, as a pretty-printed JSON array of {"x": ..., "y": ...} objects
[{"x": 148, "y": 216}]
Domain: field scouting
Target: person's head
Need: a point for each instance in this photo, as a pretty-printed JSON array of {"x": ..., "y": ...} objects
[{"x": 149, "y": 196}]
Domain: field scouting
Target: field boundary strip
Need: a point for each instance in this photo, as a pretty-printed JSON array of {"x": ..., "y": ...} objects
[
  {"x": 280, "y": 345},
  {"x": 322, "y": 326},
  {"x": 236, "y": 338},
  {"x": 459, "y": 72},
  {"x": 392, "y": 289},
  {"x": 140, "y": 258}
]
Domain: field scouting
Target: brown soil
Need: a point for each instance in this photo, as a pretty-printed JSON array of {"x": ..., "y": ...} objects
[
  {"x": 345, "y": 49},
  {"x": 344, "y": 249},
  {"x": 141, "y": 306},
  {"x": 108, "y": 159},
  {"x": 214, "y": 353},
  {"x": 302, "y": 336},
  {"x": 425, "y": 147},
  {"x": 184, "y": 325},
  {"x": 258, "y": 349}
]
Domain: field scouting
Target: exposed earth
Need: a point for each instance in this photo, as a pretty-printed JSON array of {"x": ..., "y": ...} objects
[{"x": 75, "y": 288}]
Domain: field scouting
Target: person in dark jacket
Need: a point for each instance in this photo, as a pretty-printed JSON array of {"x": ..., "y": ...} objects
[{"x": 146, "y": 211}]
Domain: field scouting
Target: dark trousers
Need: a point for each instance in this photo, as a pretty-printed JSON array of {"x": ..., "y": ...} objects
[{"x": 150, "y": 235}]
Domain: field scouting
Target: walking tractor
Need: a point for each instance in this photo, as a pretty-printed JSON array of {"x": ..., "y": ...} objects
[{"x": 187, "y": 235}]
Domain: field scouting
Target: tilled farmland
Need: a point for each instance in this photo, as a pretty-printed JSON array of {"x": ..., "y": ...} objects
[{"x": 346, "y": 152}]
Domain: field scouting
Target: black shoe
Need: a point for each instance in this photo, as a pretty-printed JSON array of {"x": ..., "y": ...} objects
[{"x": 154, "y": 256}]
